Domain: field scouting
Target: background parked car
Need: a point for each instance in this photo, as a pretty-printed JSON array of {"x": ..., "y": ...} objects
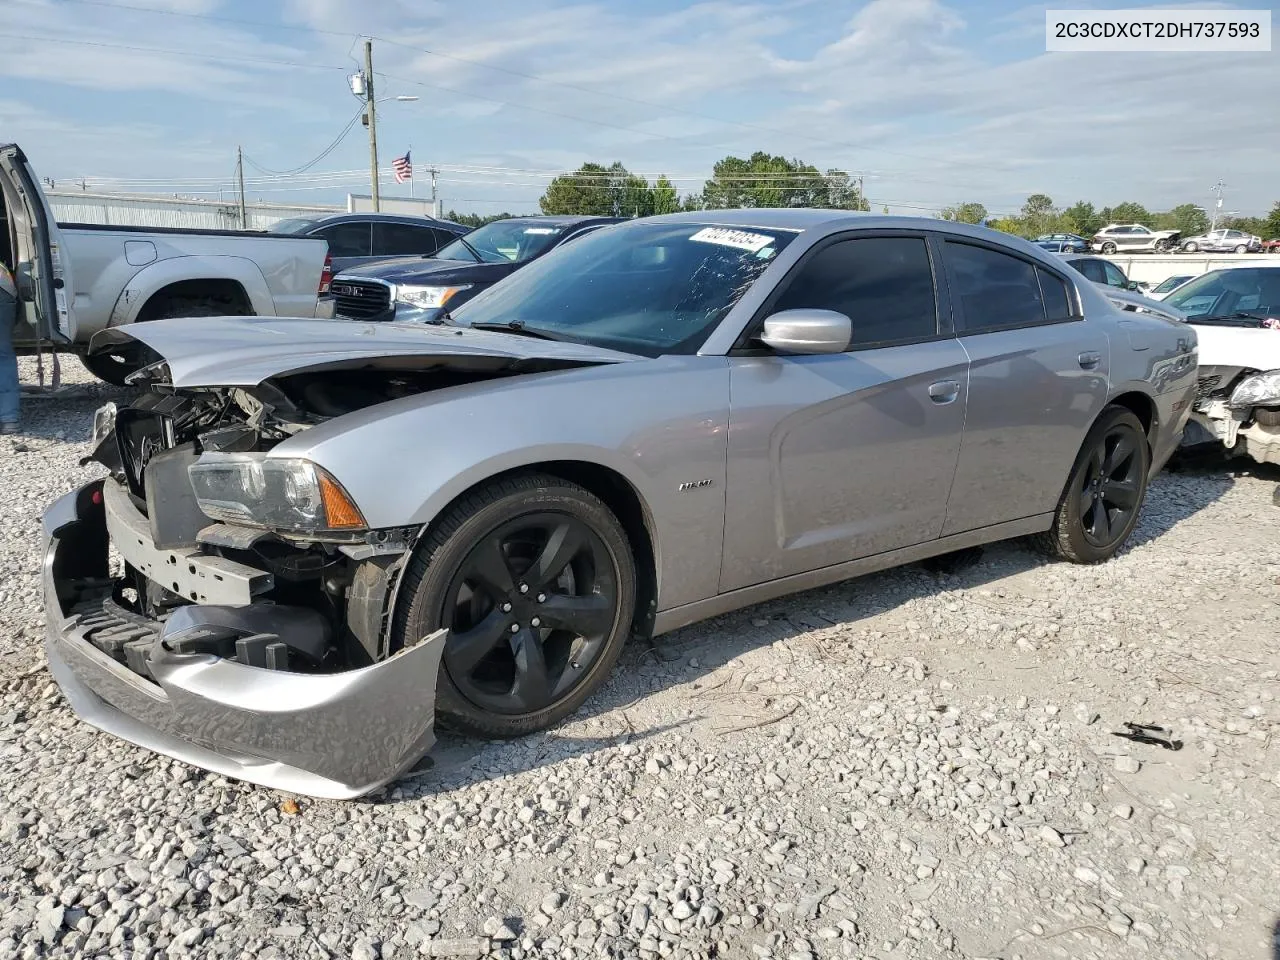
[
  {"x": 1102, "y": 272},
  {"x": 1134, "y": 237},
  {"x": 1271, "y": 246},
  {"x": 1169, "y": 284},
  {"x": 1063, "y": 243},
  {"x": 419, "y": 289},
  {"x": 358, "y": 238},
  {"x": 1223, "y": 241}
]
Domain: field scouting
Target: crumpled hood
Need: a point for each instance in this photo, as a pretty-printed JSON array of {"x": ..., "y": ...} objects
[{"x": 245, "y": 351}]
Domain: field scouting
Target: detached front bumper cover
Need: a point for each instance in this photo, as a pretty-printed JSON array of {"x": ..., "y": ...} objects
[{"x": 335, "y": 736}]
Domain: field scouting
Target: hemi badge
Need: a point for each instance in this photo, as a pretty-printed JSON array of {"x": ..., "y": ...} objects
[{"x": 694, "y": 484}]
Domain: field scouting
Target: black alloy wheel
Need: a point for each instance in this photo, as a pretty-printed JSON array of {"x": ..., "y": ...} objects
[
  {"x": 1103, "y": 496},
  {"x": 535, "y": 580},
  {"x": 529, "y": 611}
]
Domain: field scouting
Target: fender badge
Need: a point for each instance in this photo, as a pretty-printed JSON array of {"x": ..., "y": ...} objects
[{"x": 694, "y": 484}]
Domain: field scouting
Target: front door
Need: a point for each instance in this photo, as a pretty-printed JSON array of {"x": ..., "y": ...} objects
[
  {"x": 40, "y": 267},
  {"x": 1037, "y": 380},
  {"x": 846, "y": 455}
]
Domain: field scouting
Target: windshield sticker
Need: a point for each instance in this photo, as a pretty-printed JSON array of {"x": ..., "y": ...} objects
[
  {"x": 540, "y": 230},
  {"x": 724, "y": 237}
]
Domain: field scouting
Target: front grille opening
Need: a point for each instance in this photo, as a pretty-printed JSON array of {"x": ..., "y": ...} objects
[{"x": 360, "y": 299}]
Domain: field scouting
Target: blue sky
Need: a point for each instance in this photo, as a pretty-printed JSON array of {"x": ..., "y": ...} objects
[{"x": 932, "y": 101}]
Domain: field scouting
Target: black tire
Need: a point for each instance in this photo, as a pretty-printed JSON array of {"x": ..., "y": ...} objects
[
  {"x": 114, "y": 367},
  {"x": 1162, "y": 246},
  {"x": 1103, "y": 497},
  {"x": 1108, "y": 247},
  {"x": 448, "y": 580}
]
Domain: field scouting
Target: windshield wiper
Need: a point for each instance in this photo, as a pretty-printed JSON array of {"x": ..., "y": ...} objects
[
  {"x": 472, "y": 250},
  {"x": 1234, "y": 317},
  {"x": 521, "y": 329}
]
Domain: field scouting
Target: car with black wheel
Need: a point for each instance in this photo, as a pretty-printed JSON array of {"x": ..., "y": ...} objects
[
  {"x": 314, "y": 539},
  {"x": 1062, "y": 243},
  {"x": 421, "y": 290}
]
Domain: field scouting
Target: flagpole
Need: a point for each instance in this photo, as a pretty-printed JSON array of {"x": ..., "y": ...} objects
[{"x": 409, "y": 153}]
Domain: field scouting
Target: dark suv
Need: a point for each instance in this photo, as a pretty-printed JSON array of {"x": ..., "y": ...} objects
[
  {"x": 358, "y": 238},
  {"x": 421, "y": 289}
]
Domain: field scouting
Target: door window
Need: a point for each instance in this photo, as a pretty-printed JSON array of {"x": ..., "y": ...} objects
[
  {"x": 1114, "y": 276},
  {"x": 995, "y": 291},
  {"x": 884, "y": 285},
  {"x": 403, "y": 239},
  {"x": 1092, "y": 269},
  {"x": 347, "y": 239}
]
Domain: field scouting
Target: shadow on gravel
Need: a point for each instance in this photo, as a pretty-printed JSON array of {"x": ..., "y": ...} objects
[
  {"x": 1275, "y": 941},
  {"x": 67, "y": 413}
]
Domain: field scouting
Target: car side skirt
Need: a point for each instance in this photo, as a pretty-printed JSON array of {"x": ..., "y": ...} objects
[{"x": 682, "y": 616}]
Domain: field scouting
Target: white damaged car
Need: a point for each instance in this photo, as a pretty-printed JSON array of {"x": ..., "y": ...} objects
[{"x": 1236, "y": 313}]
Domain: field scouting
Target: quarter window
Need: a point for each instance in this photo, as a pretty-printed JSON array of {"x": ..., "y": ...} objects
[
  {"x": 347, "y": 239},
  {"x": 403, "y": 239},
  {"x": 995, "y": 291},
  {"x": 1057, "y": 298},
  {"x": 884, "y": 285}
]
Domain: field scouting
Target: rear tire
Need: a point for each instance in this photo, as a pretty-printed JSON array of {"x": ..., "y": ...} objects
[
  {"x": 571, "y": 623},
  {"x": 1242, "y": 248},
  {"x": 1104, "y": 493},
  {"x": 1108, "y": 247},
  {"x": 1190, "y": 247}
]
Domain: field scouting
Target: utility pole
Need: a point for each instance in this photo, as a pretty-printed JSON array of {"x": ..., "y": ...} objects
[
  {"x": 1217, "y": 207},
  {"x": 435, "y": 206},
  {"x": 244, "y": 220},
  {"x": 371, "y": 121}
]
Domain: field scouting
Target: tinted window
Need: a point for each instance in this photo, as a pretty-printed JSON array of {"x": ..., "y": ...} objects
[
  {"x": 1115, "y": 278},
  {"x": 1092, "y": 269},
  {"x": 883, "y": 284},
  {"x": 402, "y": 239},
  {"x": 1057, "y": 302},
  {"x": 443, "y": 237},
  {"x": 505, "y": 241},
  {"x": 647, "y": 288},
  {"x": 347, "y": 239},
  {"x": 994, "y": 289}
]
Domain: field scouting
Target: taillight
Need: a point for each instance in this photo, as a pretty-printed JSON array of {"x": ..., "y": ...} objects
[{"x": 326, "y": 275}]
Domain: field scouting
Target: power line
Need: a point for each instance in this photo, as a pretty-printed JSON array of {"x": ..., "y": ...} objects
[
  {"x": 171, "y": 52},
  {"x": 324, "y": 153}
]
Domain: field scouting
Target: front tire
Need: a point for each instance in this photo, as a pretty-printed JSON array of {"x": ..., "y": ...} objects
[
  {"x": 535, "y": 579},
  {"x": 1103, "y": 496},
  {"x": 1190, "y": 247}
]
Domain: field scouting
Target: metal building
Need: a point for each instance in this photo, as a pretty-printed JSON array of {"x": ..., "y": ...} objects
[{"x": 131, "y": 209}]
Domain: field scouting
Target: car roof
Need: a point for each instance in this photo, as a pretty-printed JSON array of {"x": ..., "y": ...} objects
[
  {"x": 408, "y": 218},
  {"x": 560, "y": 220}
]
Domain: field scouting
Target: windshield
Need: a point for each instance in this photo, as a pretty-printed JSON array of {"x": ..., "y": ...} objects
[
  {"x": 1169, "y": 284},
  {"x": 647, "y": 288},
  {"x": 293, "y": 225},
  {"x": 1225, "y": 293},
  {"x": 504, "y": 241}
]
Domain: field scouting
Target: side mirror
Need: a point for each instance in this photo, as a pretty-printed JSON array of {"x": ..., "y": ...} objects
[{"x": 803, "y": 332}]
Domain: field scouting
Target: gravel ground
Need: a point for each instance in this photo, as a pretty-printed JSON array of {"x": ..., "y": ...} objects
[{"x": 916, "y": 764}]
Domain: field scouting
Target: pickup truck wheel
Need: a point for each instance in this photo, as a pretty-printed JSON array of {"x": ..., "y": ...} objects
[
  {"x": 535, "y": 580},
  {"x": 1104, "y": 494}
]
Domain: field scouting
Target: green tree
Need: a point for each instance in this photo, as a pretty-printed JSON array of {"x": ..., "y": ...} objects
[
  {"x": 1187, "y": 217},
  {"x": 1271, "y": 230},
  {"x": 477, "y": 219},
  {"x": 1253, "y": 225},
  {"x": 1039, "y": 216},
  {"x": 965, "y": 213},
  {"x": 1006, "y": 224},
  {"x": 1080, "y": 218},
  {"x": 1129, "y": 212},
  {"x": 665, "y": 197},
  {"x": 763, "y": 180}
]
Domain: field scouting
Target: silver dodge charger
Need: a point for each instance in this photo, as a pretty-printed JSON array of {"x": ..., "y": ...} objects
[{"x": 316, "y": 537}]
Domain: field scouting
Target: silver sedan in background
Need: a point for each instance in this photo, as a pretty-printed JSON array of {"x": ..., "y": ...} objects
[{"x": 332, "y": 533}]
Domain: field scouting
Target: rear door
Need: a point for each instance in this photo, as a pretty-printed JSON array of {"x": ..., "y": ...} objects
[
  {"x": 1037, "y": 380},
  {"x": 40, "y": 267}
]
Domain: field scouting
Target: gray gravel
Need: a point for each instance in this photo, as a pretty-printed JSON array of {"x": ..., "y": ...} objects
[{"x": 911, "y": 765}]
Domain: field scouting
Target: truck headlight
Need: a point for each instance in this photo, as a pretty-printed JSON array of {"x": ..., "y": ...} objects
[
  {"x": 274, "y": 492},
  {"x": 431, "y": 298},
  {"x": 1259, "y": 390}
]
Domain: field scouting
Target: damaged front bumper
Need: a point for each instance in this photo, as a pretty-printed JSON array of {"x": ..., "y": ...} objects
[
  {"x": 334, "y": 735},
  {"x": 1215, "y": 422}
]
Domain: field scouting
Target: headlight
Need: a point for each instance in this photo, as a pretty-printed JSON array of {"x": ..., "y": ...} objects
[
  {"x": 428, "y": 297},
  {"x": 104, "y": 423},
  {"x": 273, "y": 492},
  {"x": 1260, "y": 390}
]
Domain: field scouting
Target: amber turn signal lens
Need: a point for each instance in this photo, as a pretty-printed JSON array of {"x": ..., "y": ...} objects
[{"x": 340, "y": 513}]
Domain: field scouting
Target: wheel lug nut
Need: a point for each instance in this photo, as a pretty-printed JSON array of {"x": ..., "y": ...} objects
[
  {"x": 542, "y": 598},
  {"x": 506, "y": 608},
  {"x": 535, "y": 622},
  {"x": 515, "y": 628},
  {"x": 524, "y": 588}
]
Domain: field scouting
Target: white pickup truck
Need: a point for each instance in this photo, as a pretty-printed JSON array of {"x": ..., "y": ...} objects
[{"x": 76, "y": 279}]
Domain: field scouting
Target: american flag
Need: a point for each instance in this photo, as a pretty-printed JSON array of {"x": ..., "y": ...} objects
[{"x": 403, "y": 169}]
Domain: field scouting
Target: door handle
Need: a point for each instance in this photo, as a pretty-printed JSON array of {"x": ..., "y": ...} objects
[
  {"x": 1089, "y": 360},
  {"x": 944, "y": 391}
]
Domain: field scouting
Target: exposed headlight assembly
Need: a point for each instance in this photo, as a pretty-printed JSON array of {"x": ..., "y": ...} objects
[
  {"x": 431, "y": 298},
  {"x": 1260, "y": 390},
  {"x": 274, "y": 492}
]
